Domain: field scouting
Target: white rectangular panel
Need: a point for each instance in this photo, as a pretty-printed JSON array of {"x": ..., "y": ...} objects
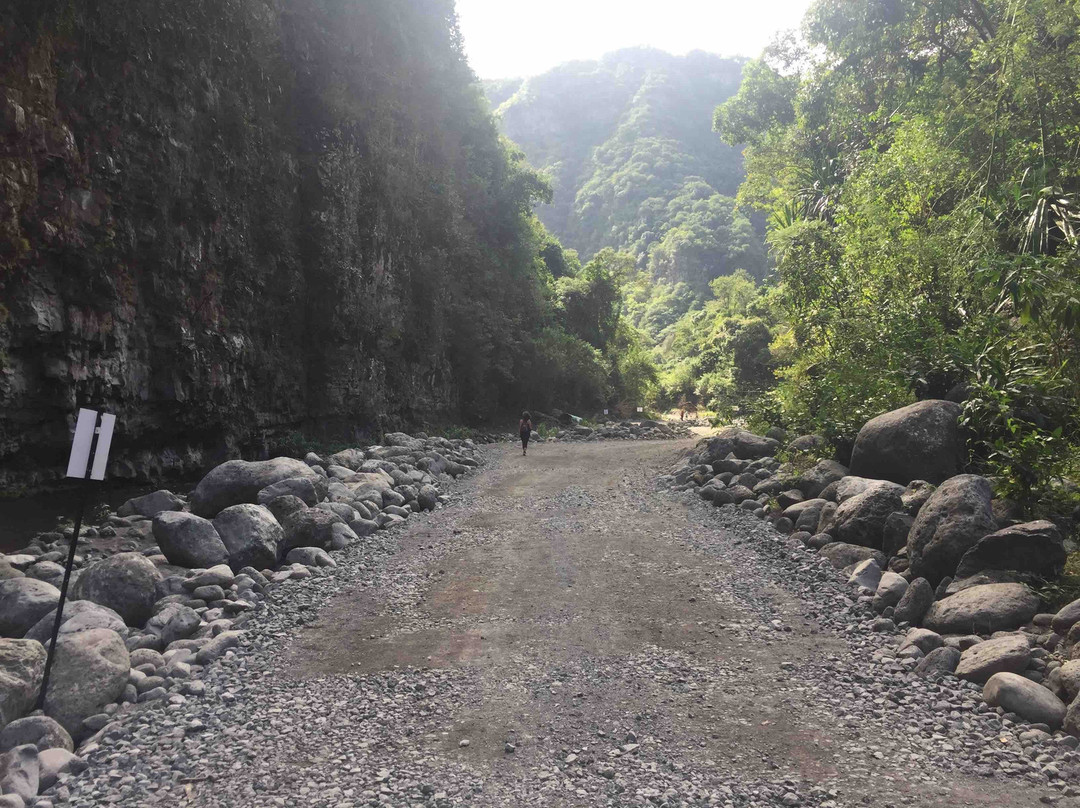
[
  {"x": 80, "y": 444},
  {"x": 101, "y": 452}
]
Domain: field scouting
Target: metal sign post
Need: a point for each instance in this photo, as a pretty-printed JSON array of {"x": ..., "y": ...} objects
[{"x": 93, "y": 437}]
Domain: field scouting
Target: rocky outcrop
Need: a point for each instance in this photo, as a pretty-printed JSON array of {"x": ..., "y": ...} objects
[{"x": 918, "y": 442}]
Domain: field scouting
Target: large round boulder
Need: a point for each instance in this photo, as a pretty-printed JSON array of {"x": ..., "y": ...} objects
[
  {"x": 22, "y": 664},
  {"x": 1034, "y": 547},
  {"x": 79, "y": 615},
  {"x": 1011, "y": 652},
  {"x": 311, "y": 528},
  {"x": 922, "y": 441},
  {"x": 251, "y": 534},
  {"x": 125, "y": 582},
  {"x": 861, "y": 519},
  {"x": 23, "y": 601},
  {"x": 39, "y": 730},
  {"x": 733, "y": 440},
  {"x": 1018, "y": 694},
  {"x": 983, "y": 609},
  {"x": 90, "y": 671},
  {"x": 951, "y": 522},
  {"x": 188, "y": 540},
  {"x": 240, "y": 481},
  {"x": 806, "y": 515}
]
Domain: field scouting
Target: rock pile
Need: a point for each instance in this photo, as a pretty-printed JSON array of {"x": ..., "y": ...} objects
[
  {"x": 923, "y": 545},
  {"x": 164, "y": 586},
  {"x": 620, "y": 430}
]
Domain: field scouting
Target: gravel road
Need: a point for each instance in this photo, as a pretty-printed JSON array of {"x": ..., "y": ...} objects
[{"x": 566, "y": 633}]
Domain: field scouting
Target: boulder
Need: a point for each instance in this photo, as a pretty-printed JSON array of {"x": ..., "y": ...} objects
[
  {"x": 850, "y": 486},
  {"x": 174, "y": 622},
  {"x": 894, "y": 534},
  {"x": 125, "y": 582},
  {"x": 916, "y": 600},
  {"x": 988, "y": 577},
  {"x": 56, "y": 762},
  {"x": 48, "y": 571},
  {"x": 188, "y": 540},
  {"x": 817, "y": 479},
  {"x": 300, "y": 487},
  {"x": 806, "y": 515},
  {"x": 90, "y": 671},
  {"x": 310, "y": 528},
  {"x": 1034, "y": 547},
  {"x": 890, "y": 589},
  {"x": 251, "y": 534},
  {"x": 983, "y": 609},
  {"x": 150, "y": 505},
  {"x": 310, "y": 557},
  {"x": 22, "y": 664},
  {"x": 1010, "y": 653},
  {"x": 939, "y": 662},
  {"x": 8, "y": 571},
  {"x": 24, "y": 601},
  {"x": 284, "y": 507},
  {"x": 1018, "y": 694},
  {"x": 923, "y": 639},
  {"x": 79, "y": 615},
  {"x": 843, "y": 555},
  {"x": 861, "y": 518},
  {"x": 806, "y": 443},
  {"x": 1066, "y": 617},
  {"x": 922, "y": 441},
  {"x": 867, "y": 574},
  {"x": 951, "y": 522},
  {"x": 19, "y": 772},
  {"x": 349, "y": 458},
  {"x": 915, "y": 496},
  {"x": 240, "y": 481},
  {"x": 38, "y": 730},
  {"x": 735, "y": 441}
]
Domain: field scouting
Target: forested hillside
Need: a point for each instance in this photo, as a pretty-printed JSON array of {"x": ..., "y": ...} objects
[{"x": 918, "y": 164}]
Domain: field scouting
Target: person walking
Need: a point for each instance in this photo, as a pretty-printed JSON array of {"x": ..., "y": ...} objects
[{"x": 525, "y": 428}]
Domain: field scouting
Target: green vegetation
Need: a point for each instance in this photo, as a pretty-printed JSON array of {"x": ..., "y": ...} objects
[{"x": 917, "y": 163}]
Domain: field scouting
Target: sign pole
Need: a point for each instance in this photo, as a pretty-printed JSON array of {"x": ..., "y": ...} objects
[{"x": 91, "y": 441}]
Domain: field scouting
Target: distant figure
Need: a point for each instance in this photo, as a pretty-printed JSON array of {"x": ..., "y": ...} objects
[{"x": 525, "y": 430}]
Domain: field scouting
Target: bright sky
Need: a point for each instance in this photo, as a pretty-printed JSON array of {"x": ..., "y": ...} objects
[{"x": 518, "y": 38}]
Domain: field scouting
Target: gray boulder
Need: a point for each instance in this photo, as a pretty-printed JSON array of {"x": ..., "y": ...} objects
[
  {"x": 251, "y": 534},
  {"x": 850, "y": 486},
  {"x": 894, "y": 534},
  {"x": 817, "y": 479},
  {"x": 915, "y": 496},
  {"x": 861, "y": 519},
  {"x": 916, "y": 600},
  {"x": 284, "y": 507},
  {"x": 806, "y": 443},
  {"x": 300, "y": 487},
  {"x": 38, "y": 730},
  {"x": 978, "y": 663},
  {"x": 1034, "y": 547},
  {"x": 22, "y": 664},
  {"x": 939, "y": 662},
  {"x": 57, "y": 762},
  {"x": 19, "y": 772},
  {"x": 310, "y": 557},
  {"x": 125, "y": 582},
  {"x": 733, "y": 440},
  {"x": 48, "y": 571},
  {"x": 890, "y": 589},
  {"x": 842, "y": 555},
  {"x": 983, "y": 609},
  {"x": 90, "y": 671},
  {"x": 174, "y": 622},
  {"x": 349, "y": 458},
  {"x": 23, "y": 601},
  {"x": 79, "y": 615},
  {"x": 922, "y": 441},
  {"x": 150, "y": 505},
  {"x": 363, "y": 527},
  {"x": 923, "y": 639},
  {"x": 188, "y": 540},
  {"x": 1018, "y": 694},
  {"x": 240, "y": 481},
  {"x": 1066, "y": 617},
  {"x": 310, "y": 528},
  {"x": 867, "y": 574},
  {"x": 951, "y": 522},
  {"x": 806, "y": 515}
]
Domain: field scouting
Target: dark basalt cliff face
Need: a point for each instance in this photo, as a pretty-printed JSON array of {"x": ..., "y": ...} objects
[{"x": 228, "y": 220}]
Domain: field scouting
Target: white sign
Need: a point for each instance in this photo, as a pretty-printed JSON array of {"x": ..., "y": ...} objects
[
  {"x": 605, "y": 412},
  {"x": 641, "y": 409},
  {"x": 81, "y": 444}
]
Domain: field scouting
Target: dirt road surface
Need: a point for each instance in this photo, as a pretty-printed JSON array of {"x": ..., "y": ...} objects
[{"x": 565, "y": 633}]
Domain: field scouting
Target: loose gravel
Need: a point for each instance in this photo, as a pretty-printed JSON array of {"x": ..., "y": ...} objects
[{"x": 564, "y": 632}]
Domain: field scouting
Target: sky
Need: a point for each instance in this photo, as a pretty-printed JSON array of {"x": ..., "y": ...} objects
[{"x": 518, "y": 38}]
